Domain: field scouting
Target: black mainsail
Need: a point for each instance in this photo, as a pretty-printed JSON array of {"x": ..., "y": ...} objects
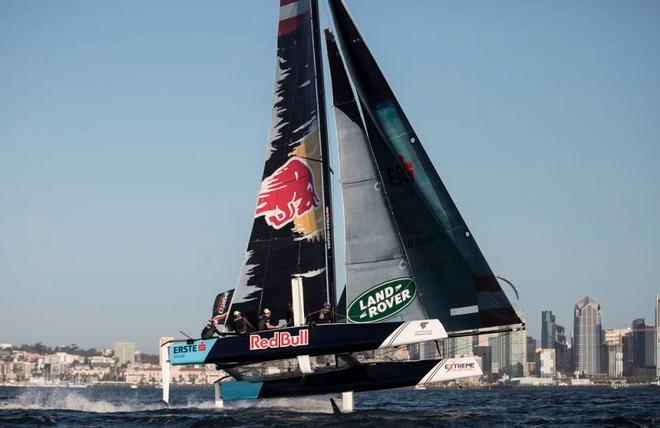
[
  {"x": 450, "y": 273},
  {"x": 288, "y": 237}
]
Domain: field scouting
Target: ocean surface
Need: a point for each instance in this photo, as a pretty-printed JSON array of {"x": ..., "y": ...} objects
[{"x": 123, "y": 407}]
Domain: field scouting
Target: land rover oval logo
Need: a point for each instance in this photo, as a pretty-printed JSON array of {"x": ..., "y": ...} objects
[{"x": 382, "y": 301}]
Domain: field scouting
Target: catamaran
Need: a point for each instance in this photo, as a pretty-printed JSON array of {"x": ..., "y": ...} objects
[{"x": 414, "y": 272}]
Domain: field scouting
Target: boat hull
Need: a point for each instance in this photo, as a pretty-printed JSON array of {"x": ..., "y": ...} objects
[
  {"x": 322, "y": 339},
  {"x": 362, "y": 377}
]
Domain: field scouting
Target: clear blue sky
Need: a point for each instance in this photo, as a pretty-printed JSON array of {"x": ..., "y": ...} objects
[{"x": 132, "y": 136}]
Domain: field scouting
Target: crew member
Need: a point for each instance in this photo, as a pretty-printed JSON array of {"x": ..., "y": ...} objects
[
  {"x": 264, "y": 321},
  {"x": 210, "y": 330},
  {"x": 289, "y": 316},
  {"x": 324, "y": 315},
  {"x": 241, "y": 324}
]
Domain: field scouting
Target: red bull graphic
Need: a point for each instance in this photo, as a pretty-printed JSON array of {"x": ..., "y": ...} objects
[
  {"x": 282, "y": 339},
  {"x": 220, "y": 305},
  {"x": 287, "y": 194}
]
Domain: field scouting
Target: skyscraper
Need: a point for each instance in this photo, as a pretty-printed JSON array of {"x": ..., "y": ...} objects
[
  {"x": 548, "y": 330},
  {"x": 613, "y": 355},
  {"x": 518, "y": 349},
  {"x": 125, "y": 352},
  {"x": 587, "y": 326},
  {"x": 639, "y": 343},
  {"x": 531, "y": 349},
  {"x": 628, "y": 349},
  {"x": 509, "y": 351},
  {"x": 561, "y": 351},
  {"x": 657, "y": 335}
]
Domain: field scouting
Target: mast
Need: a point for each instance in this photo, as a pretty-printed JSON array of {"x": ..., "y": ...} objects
[{"x": 325, "y": 157}]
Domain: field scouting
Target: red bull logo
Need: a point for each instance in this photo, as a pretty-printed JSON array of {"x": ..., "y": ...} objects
[
  {"x": 287, "y": 194},
  {"x": 282, "y": 339}
]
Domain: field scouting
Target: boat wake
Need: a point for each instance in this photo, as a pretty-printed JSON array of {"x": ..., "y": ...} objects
[
  {"x": 65, "y": 399},
  {"x": 298, "y": 404}
]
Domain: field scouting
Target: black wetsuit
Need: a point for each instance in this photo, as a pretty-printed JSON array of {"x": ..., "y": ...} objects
[
  {"x": 323, "y": 316},
  {"x": 242, "y": 325},
  {"x": 209, "y": 331},
  {"x": 263, "y": 322},
  {"x": 289, "y": 317}
]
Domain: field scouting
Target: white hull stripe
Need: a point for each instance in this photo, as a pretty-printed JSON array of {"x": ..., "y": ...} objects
[
  {"x": 415, "y": 332},
  {"x": 452, "y": 368}
]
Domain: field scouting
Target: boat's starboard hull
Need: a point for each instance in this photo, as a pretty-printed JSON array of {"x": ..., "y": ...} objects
[{"x": 363, "y": 377}]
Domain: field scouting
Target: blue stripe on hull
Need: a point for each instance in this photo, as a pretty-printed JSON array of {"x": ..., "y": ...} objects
[{"x": 238, "y": 390}]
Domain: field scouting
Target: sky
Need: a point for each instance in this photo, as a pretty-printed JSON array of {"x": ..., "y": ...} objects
[{"x": 133, "y": 134}]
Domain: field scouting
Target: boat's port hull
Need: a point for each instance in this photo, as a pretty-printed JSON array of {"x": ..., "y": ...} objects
[{"x": 322, "y": 339}]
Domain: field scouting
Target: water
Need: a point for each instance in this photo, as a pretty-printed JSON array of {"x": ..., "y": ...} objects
[{"x": 120, "y": 407}]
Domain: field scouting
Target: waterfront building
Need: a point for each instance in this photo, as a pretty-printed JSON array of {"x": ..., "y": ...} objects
[
  {"x": 480, "y": 340},
  {"x": 639, "y": 343},
  {"x": 144, "y": 375},
  {"x": 628, "y": 348},
  {"x": 518, "y": 349},
  {"x": 497, "y": 354},
  {"x": 613, "y": 355},
  {"x": 100, "y": 361},
  {"x": 427, "y": 350},
  {"x": 509, "y": 351},
  {"x": 484, "y": 352},
  {"x": 615, "y": 336},
  {"x": 657, "y": 336},
  {"x": 459, "y": 346},
  {"x": 587, "y": 326},
  {"x": 613, "y": 360},
  {"x": 548, "y": 330},
  {"x": 562, "y": 358},
  {"x": 649, "y": 354},
  {"x": 125, "y": 353},
  {"x": 531, "y": 349},
  {"x": 545, "y": 362}
]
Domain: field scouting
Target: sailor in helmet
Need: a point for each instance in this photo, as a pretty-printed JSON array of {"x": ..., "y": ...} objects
[
  {"x": 322, "y": 316},
  {"x": 325, "y": 314},
  {"x": 264, "y": 321},
  {"x": 241, "y": 324}
]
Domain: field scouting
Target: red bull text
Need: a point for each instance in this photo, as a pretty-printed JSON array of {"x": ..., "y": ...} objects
[
  {"x": 286, "y": 194},
  {"x": 282, "y": 339}
]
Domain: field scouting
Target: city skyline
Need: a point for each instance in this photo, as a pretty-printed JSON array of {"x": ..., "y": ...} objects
[
  {"x": 132, "y": 142},
  {"x": 598, "y": 356}
]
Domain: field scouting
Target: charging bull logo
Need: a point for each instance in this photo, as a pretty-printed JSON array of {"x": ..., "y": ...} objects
[{"x": 287, "y": 194}]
